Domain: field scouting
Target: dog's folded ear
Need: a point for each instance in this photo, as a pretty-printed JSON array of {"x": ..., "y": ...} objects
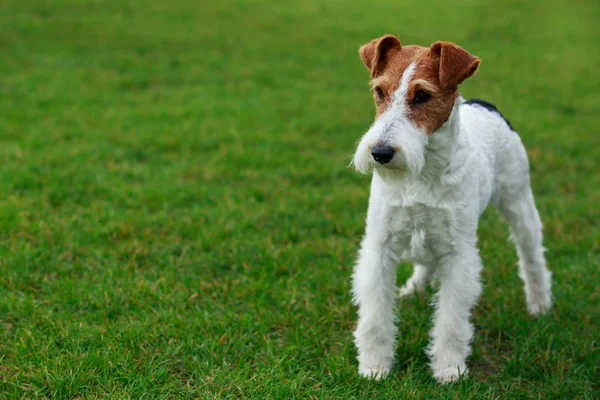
[
  {"x": 456, "y": 64},
  {"x": 377, "y": 53}
]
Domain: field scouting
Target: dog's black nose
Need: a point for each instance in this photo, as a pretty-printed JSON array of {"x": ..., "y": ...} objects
[{"x": 382, "y": 154}]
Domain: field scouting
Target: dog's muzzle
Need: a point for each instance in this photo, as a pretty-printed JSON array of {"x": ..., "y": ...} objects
[{"x": 382, "y": 154}]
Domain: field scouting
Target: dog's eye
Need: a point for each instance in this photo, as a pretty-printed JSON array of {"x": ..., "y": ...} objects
[
  {"x": 379, "y": 92},
  {"x": 421, "y": 97}
]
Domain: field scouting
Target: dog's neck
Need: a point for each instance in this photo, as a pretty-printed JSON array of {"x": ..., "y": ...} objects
[{"x": 441, "y": 148}]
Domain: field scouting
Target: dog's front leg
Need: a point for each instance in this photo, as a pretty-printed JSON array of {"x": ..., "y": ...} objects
[
  {"x": 374, "y": 285},
  {"x": 452, "y": 332}
]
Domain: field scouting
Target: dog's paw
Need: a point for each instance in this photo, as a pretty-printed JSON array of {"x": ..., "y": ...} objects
[
  {"x": 449, "y": 375},
  {"x": 375, "y": 373},
  {"x": 539, "y": 305},
  {"x": 408, "y": 290},
  {"x": 375, "y": 353},
  {"x": 404, "y": 291}
]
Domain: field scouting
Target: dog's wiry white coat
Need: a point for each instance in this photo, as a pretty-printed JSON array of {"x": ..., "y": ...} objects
[{"x": 424, "y": 207}]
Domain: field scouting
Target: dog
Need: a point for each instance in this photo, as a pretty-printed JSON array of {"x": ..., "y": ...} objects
[{"x": 437, "y": 161}]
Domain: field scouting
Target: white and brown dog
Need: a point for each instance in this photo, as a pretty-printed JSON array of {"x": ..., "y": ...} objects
[{"x": 437, "y": 161}]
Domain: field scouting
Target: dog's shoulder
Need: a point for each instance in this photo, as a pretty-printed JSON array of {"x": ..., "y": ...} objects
[{"x": 486, "y": 105}]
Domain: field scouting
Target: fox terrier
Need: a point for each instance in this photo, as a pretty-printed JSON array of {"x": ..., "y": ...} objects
[{"x": 437, "y": 161}]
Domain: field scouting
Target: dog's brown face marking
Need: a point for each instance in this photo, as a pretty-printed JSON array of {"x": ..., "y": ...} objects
[{"x": 433, "y": 86}]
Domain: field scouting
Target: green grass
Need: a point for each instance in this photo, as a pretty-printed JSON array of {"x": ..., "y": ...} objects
[{"x": 178, "y": 219}]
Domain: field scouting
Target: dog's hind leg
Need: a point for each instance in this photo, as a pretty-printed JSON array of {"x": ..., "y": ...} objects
[
  {"x": 526, "y": 229},
  {"x": 417, "y": 282}
]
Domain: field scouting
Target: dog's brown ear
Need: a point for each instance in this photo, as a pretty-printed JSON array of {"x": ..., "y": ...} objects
[
  {"x": 377, "y": 53},
  {"x": 456, "y": 64}
]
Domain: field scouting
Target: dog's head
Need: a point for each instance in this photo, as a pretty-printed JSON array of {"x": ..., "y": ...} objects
[{"x": 415, "y": 89}]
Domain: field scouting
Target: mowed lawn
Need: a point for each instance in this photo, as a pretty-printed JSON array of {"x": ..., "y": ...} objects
[{"x": 178, "y": 219}]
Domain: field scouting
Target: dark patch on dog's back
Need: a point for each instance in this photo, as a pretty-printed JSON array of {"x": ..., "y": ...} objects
[{"x": 490, "y": 107}]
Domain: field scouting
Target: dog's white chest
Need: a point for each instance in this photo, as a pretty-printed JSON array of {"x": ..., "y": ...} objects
[{"x": 422, "y": 233}]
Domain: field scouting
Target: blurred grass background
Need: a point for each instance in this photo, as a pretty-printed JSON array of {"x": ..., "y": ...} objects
[{"x": 178, "y": 219}]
